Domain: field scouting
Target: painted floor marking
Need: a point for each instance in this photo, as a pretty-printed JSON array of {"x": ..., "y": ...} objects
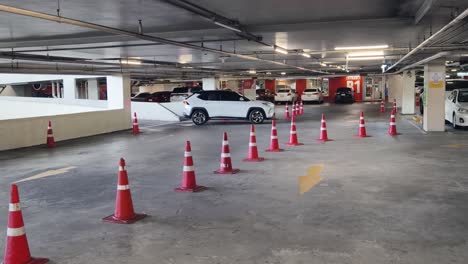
[
  {"x": 456, "y": 146},
  {"x": 47, "y": 174},
  {"x": 312, "y": 178},
  {"x": 416, "y": 126}
]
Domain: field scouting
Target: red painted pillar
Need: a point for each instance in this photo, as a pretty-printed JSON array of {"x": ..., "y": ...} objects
[
  {"x": 270, "y": 85},
  {"x": 301, "y": 85}
]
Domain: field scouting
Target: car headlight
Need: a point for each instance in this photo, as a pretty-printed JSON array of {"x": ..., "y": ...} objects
[{"x": 462, "y": 110}]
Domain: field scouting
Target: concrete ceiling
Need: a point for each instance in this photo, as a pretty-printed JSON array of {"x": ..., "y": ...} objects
[{"x": 315, "y": 27}]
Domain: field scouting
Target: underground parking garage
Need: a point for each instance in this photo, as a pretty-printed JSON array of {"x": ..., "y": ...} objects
[{"x": 179, "y": 131}]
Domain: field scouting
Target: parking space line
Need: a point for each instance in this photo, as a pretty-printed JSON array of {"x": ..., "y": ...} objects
[{"x": 416, "y": 126}]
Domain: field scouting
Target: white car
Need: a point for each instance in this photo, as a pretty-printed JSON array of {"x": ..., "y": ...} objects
[
  {"x": 312, "y": 95},
  {"x": 205, "y": 105},
  {"x": 285, "y": 95},
  {"x": 181, "y": 93},
  {"x": 456, "y": 107}
]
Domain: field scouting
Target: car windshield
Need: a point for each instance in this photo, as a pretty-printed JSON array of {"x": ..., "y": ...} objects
[
  {"x": 283, "y": 91},
  {"x": 463, "y": 96},
  {"x": 142, "y": 95},
  {"x": 180, "y": 90},
  {"x": 310, "y": 90},
  {"x": 343, "y": 90}
]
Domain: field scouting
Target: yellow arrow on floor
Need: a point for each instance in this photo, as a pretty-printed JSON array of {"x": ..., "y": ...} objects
[
  {"x": 47, "y": 174},
  {"x": 312, "y": 178}
]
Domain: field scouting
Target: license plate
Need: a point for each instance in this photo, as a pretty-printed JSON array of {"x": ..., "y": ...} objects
[
  {"x": 343, "y": 94},
  {"x": 281, "y": 95}
]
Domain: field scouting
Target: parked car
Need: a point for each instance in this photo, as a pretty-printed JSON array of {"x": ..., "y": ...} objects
[
  {"x": 265, "y": 95},
  {"x": 312, "y": 95},
  {"x": 450, "y": 85},
  {"x": 205, "y": 105},
  {"x": 181, "y": 93},
  {"x": 285, "y": 95},
  {"x": 343, "y": 95},
  {"x": 456, "y": 107},
  {"x": 141, "y": 97},
  {"x": 160, "y": 97}
]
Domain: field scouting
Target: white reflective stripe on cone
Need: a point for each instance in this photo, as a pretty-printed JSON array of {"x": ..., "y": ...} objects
[
  {"x": 252, "y": 133},
  {"x": 187, "y": 154},
  {"x": 188, "y": 168},
  {"x": 361, "y": 118},
  {"x": 225, "y": 142},
  {"x": 361, "y": 125},
  {"x": 49, "y": 128},
  {"x": 13, "y": 207},
  {"x": 323, "y": 128},
  {"x": 121, "y": 168},
  {"x": 50, "y": 135},
  {"x": 14, "y": 232},
  {"x": 392, "y": 116},
  {"x": 274, "y": 137},
  {"x": 292, "y": 132},
  {"x": 225, "y": 155},
  {"x": 273, "y": 128},
  {"x": 123, "y": 187},
  {"x": 252, "y": 144},
  {"x": 135, "y": 124},
  {"x": 392, "y": 123}
]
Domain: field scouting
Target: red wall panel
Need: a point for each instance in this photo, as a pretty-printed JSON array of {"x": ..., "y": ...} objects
[
  {"x": 354, "y": 82},
  {"x": 270, "y": 85},
  {"x": 301, "y": 85}
]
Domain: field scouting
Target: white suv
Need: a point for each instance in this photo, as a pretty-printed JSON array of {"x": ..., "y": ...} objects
[
  {"x": 285, "y": 94},
  {"x": 205, "y": 105}
]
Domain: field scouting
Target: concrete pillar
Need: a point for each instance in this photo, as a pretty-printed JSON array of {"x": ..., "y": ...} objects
[
  {"x": 408, "y": 98},
  {"x": 93, "y": 89},
  {"x": 434, "y": 96},
  {"x": 210, "y": 84},
  {"x": 69, "y": 87},
  {"x": 118, "y": 92}
]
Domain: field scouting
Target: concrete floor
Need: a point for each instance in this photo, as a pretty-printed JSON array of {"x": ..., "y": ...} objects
[{"x": 383, "y": 199}]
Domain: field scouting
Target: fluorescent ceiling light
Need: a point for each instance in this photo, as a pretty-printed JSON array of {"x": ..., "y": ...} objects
[
  {"x": 462, "y": 74},
  {"x": 281, "y": 50},
  {"x": 227, "y": 26},
  {"x": 268, "y": 73},
  {"x": 305, "y": 55},
  {"x": 366, "y": 58},
  {"x": 366, "y": 53},
  {"x": 362, "y": 47},
  {"x": 447, "y": 76},
  {"x": 454, "y": 70},
  {"x": 323, "y": 64},
  {"x": 132, "y": 62},
  {"x": 283, "y": 73},
  {"x": 252, "y": 72}
]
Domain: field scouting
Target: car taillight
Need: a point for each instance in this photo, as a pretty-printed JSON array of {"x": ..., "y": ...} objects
[{"x": 185, "y": 103}]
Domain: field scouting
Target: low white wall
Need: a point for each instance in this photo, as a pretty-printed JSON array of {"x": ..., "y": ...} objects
[
  {"x": 25, "y": 132},
  {"x": 155, "y": 111},
  {"x": 176, "y": 107},
  {"x": 25, "y": 107}
]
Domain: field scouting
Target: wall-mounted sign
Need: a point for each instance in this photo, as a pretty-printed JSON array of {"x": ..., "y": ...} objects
[{"x": 436, "y": 80}]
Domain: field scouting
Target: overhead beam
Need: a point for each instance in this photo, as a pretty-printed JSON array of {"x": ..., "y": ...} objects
[{"x": 424, "y": 9}]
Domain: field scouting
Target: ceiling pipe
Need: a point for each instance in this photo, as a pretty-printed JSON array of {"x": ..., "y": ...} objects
[
  {"x": 423, "y": 61},
  {"x": 60, "y": 19},
  {"x": 431, "y": 38}
]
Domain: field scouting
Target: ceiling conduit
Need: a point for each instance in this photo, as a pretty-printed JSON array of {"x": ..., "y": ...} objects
[
  {"x": 431, "y": 38},
  {"x": 111, "y": 30}
]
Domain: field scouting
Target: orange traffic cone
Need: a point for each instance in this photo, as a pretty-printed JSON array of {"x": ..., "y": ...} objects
[
  {"x": 394, "y": 105},
  {"x": 253, "y": 150},
  {"x": 301, "y": 108},
  {"x": 17, "y": 249},
  {"x": 392, "y": 131},
  {"x": 50, "y": 136},
  {"x": 293, "y": 141},
  {"x": 323, "y": 131},
  {"x": 382, "y": 107},
  {"x": 296, "y": 112},
  {"x": 225, "y": 164},
  {"x": 362, "y": 126},
  {"x": 189, "y": 182},
  {"x": 136, "y": 127},
  {"x": 286, "y": 111},
  {"x": 123, "y": 213},
  {"x": 274, "y": 146}
]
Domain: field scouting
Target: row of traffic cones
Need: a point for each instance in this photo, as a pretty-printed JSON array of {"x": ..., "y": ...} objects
[
  {"x": 297, "y": 109},
  {"x": 50, "y": 142},
  {"x": 382, "y": 106}
]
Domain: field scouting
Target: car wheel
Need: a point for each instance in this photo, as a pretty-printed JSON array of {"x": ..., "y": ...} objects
[
  {"x": 199, "y": 117},
  {"x": 454, "y": 121},
  {"x": 256, "y": 116}
]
